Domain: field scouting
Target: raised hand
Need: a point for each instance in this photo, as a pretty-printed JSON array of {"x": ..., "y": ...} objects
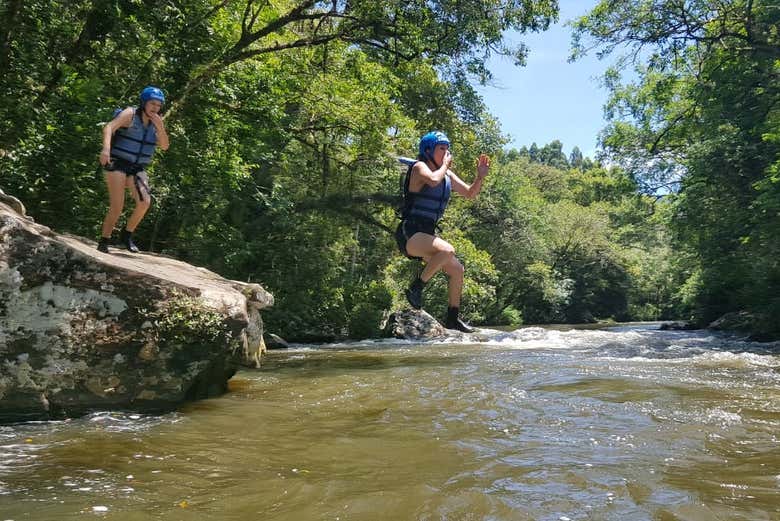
[
  {"x": 447, "y": 161},
  {"x": 483, "y": 165},
  {"x": 156, "y": 120}
]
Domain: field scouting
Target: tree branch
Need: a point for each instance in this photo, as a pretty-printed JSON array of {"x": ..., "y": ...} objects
[
  {"x": 276, "y": 47},
  {"x": 669, "y": 127},
  {"x": 351, "y": 206}
]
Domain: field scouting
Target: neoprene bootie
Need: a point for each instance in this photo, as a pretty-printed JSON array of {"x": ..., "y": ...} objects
[
  {"x": 454, "y": 322},
  {"x": 127, "y": 240},
  {"x": 103, "y": 244},
  {"x": 414, "y": 293}
]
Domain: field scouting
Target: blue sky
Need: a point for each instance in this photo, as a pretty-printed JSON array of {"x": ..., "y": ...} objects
[{"x": 549, "y": 98}]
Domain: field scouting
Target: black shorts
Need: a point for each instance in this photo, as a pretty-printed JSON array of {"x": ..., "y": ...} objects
[
  {"x": 140, "y": 177},
  {"x": 409, "y": 227},
  {"x": 122, "y": 165}
]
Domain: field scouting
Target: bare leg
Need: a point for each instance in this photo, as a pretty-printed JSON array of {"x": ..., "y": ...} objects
[
  {"x": 454, "y": 269},
  {"x": 115, "y": 182},
  {"x": 141, "y": 206},
  {"x": 437, "y": 254},
  {"x": 435, "y": 251},
  {"x": 453, "y": 321}
]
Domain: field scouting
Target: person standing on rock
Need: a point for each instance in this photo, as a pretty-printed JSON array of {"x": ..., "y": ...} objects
[
  {"x": 129, "y": 141},
  {"x": 427, "y": 187}
]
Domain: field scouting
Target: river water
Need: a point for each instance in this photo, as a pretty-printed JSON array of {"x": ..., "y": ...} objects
[{"x": 628, "y": 424}]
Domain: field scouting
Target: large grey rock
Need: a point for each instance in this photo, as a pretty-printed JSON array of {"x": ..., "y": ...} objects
[
  {"x": 81, "y": 330},
  {"x": 413, "y": 325},
  {"x": 735, "y": 321},
  {"x": 758, "y": 326}
]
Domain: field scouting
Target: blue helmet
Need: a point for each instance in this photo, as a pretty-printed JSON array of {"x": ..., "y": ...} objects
[
  {"x": 429, "y": 141},
  {"x": 152, "y": 93}
]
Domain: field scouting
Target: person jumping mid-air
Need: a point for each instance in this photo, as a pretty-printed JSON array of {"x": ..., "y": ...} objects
[{"x": 427, "y": 188}]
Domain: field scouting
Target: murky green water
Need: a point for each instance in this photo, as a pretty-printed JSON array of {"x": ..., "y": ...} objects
[{"x": 626, "y": 424}]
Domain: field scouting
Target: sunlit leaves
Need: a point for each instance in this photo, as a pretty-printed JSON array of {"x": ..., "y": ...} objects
[{"x": 700, "y": 119}]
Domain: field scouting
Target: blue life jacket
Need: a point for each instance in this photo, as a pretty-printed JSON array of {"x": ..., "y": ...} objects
[
  {"x": 430, "y": 202},
  {"x": 135, "y": 143}
]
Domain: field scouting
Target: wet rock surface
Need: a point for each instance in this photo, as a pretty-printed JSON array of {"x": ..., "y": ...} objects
[{"x": 414, "y": 324}]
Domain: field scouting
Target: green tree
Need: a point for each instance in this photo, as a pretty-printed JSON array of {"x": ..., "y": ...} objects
[
  {"x": 702, "y": 120},
  {"x": 552, "y": 154},
  {"x": 575, "y": 158},
  {"x": 282, "y": 117}
]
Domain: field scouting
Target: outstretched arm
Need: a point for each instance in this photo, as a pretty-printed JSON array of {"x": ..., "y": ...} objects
[{"x": 467, "y": 190}]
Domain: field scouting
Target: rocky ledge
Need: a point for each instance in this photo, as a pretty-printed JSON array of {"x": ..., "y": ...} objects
[{"x": 82, "y": 331}]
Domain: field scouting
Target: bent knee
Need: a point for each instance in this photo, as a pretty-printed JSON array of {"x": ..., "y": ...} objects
[
  {"x": 454, "y": 268},
  {"x": 444, "y": 247}
]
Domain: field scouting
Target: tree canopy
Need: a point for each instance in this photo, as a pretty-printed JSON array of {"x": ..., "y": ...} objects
[
  {"x": 702, "y": 123},
  {"x": 284, "y": 119}
]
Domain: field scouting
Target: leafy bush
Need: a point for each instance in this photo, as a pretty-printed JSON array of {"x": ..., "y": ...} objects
[{"x": 369, "y": 309}]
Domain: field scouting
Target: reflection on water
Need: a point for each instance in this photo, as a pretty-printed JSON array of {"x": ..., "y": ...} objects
[{"x": 622, "y": 424}]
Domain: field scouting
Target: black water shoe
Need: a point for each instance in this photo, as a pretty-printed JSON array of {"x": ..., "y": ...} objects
[
  {"x": 103, "y": 244},
  {"x": 414, "y": 293},
  {"x": 127, "y": 239},
  {"x": 454, "y": 322}
]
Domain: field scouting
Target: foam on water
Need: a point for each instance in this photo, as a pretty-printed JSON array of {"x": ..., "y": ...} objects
[
  {"x": 120, "y": 421},
  {"x": 633, "y": 342},
  {"x": 736, "y": 360}
]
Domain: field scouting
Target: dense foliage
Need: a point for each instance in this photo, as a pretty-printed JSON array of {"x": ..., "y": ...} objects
[
  {"x": 284, "y": 118},
  {"x": 702, "y": 121}
]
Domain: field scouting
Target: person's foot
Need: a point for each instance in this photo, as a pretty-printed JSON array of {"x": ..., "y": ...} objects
[
  {"x": 127, "y": 239},
  {"x": 414, "y": 293},
  {"x": 454, "y": 322},
  {"x": 103, "y": 244}
]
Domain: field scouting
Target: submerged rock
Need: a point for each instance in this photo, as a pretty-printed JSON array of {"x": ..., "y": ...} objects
[
  {"x": 678, "y": 325},
  {"x": 81, "y": 330}
]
